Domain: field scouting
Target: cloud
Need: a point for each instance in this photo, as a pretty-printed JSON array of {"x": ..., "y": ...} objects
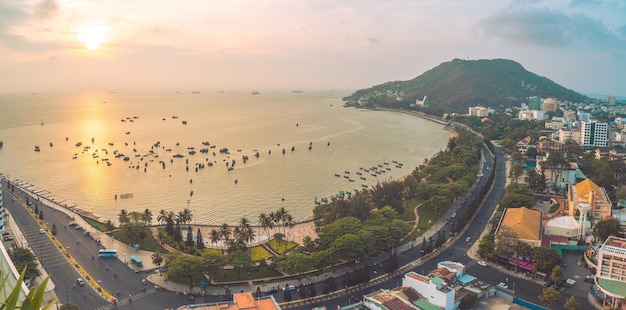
[
  {"x": 45, "y": 9},
  {"x": 543, "y": 26},
  {"x": 10, "y": 17}
]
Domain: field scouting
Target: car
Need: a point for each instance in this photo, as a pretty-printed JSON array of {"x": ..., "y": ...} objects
[
  {"x": 589, "y": 279},
  {"x": 503, "y": 285},
  {"x": 42, "y": 231},
  {"x": 548, "y": 283},
  {"x": 453, "y": 215},
  {"x": 78, "y": 227},
  {"x": 468, "y": 239},
  {"x": 482, "y": 263},
  {"x": 80, "y": 281}
]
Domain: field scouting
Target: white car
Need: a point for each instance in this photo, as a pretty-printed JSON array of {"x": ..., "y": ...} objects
[
  {"x": 42, "y": 231},
  {"x": 468, "y": 239},
  {"x": 503, "y": 285},
  {"x": 482, "y": 263}
]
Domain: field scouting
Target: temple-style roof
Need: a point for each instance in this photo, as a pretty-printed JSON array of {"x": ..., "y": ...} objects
[{"x": 524, "y": 222}]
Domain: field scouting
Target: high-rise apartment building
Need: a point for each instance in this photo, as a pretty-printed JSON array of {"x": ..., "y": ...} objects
[{"x": 593, "y": 133}]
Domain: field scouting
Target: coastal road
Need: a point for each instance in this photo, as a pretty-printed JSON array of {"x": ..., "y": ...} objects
[
  {"x": 112, "y": 273},
  {"x": 524, "y": 288}
]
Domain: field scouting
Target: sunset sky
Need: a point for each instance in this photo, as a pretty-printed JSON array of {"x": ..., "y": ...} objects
[{"x": 185, "y": 45}]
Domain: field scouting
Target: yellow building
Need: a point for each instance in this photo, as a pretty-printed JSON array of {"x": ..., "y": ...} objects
[
  {"x": 590, "y": 193},
  {"x": 519, "y": 225}
]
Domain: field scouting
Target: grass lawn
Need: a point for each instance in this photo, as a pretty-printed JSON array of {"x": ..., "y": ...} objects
[
  {"x": 148, "y": 244},
  {"x": 229, "y": 275},
  {"x": 96, "y": 224},
  {"x": 281, "y": 247},
  {"x": 259, "y": 253},
  {"x": 197, "y": 278},
  {"x": 426, "y": 218}
]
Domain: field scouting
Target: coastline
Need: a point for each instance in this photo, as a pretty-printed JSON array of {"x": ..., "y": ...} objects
[{"x": 49, "y": 199}]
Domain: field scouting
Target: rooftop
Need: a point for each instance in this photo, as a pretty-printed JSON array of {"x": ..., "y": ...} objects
[
  {"x": 614, "y": 245},
  {"x": 524, "y": 222}
]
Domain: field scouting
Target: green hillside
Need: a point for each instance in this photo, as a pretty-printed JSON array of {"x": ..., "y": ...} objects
[{"x": 458, "y": 84}]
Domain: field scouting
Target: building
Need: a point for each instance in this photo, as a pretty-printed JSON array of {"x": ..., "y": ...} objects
[
  {"x": 400, "y": 298},
  {"x": 594, "y": 134},
  {"x": 479, "y": 111},
  {"x": 534, "y": 103},
  {"x": 588, "y": 192},
  {"x": 564, "y": 226},
  {"x": 519, "y": 225},
  {"x": 548, "y": 145},
  {"x": 583, "y": 116},
  {"x": 423, "y": 102},
  {"x": 241, "y": 301},
  {"x": 569, "y": 135},
  {"x": 522, "y": 145},
  {"x": 550, "y": 104},
  {"x": 559, "y": 178},
  {"x": 2, "y": 212},
  {"x": 531, "y": 115},
  {"x": 611, "y": 272}
]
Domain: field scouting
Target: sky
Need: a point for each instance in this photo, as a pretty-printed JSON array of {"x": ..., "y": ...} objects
[{"x": 183, "y": 45}]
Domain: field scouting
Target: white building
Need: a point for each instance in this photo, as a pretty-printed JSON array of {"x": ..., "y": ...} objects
[
  {"x": 594, "y": 133},
  {"x": 531, "y": 115},
  {"x": 569, "y": 134},
  {"x": 435, "y": 289},
  {"x": 564, "y": 226},
  {"x": 550, "y": 104},
  {"x": 480, "y": 111}
]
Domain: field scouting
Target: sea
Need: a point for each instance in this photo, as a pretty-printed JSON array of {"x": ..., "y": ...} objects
[{"x": 224, "y": 155}]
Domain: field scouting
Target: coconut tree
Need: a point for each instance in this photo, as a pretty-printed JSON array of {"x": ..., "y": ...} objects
[
  {"x": 162, "y": 217},
  {"x": 225, "y": 233},
  {"x": 146, "y": 217},
  {"x": 246, "y": 233},
  {"x": 215, "y": 236},
  {"x": 266, "y": 222},
  {"x": 157, "y": 258},
  {"x": 122, "y": 217}
]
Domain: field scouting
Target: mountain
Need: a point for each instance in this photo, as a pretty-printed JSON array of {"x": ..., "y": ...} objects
[{"x": 458, "y": 84}]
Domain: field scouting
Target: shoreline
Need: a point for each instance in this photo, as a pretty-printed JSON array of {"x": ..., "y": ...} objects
[{"x": 47, "y": 197}]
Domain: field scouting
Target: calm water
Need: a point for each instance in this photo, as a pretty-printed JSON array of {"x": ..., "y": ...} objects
[{"x": 89, "y": 176}]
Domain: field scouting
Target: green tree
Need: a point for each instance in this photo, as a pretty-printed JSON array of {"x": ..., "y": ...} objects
[
  {"x": 24, "y": 258},
  {"x": 199, "y": 240},
  {"x": 486, "y": 246},
  {"x": 189, "y": 240},
  {"x": 516, "y": 172},
  {"x": 557, "y": 274},
  {"x": 549, "y": 296},
  {"x": 348, "y": 247},
  {"x": 241, "y": 261},
  {"x": 184, "y": 266},
  {"x": 571, "y": 304},
  {"x": 603, "y": 229},
  {"x": 157, "y": 258},
  {"x": 545, "y": 259}
]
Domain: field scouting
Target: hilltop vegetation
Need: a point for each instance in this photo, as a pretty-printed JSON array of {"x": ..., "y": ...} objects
[{"x": 455, "y": 85}]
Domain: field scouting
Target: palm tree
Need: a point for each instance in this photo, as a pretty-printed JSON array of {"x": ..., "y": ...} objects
[
  {"x": 266, "y": 222},
  {"x": 157, "y": 258},
  {"x": 246, "y": 232},
  {"x": 147, "y": 216},
  {"x": 162, "y": 217},
  {"x": 289, "y": 221},
  {"x": 187, "y": 216},
  {"x": 225, "y": 232},
  {"x": 122, "y": 217},
  {"x": 215, "y": 236}
]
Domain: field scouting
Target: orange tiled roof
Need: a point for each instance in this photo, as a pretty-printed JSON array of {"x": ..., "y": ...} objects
[
  {"x": 526, "y": 223},
  {"x": 584, "y": 187}
]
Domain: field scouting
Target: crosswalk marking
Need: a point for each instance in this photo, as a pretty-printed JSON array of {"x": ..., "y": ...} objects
[{"x": 124, "y": 301}]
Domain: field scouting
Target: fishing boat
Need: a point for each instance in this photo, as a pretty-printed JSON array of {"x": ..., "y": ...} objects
[{"x": 36, "y": 148}]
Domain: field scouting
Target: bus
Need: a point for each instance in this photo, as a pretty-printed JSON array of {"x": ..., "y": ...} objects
[{"x": 107, "y": 253}]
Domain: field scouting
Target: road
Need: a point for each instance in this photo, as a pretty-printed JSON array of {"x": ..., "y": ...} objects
[
  {"x": 82, "y": 248},
  {"x": 524, "y": 288},
  {"x": 113, "y": 274}
]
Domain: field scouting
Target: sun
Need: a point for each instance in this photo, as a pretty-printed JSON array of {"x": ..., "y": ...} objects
[{"x": 92, "y": 36}]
